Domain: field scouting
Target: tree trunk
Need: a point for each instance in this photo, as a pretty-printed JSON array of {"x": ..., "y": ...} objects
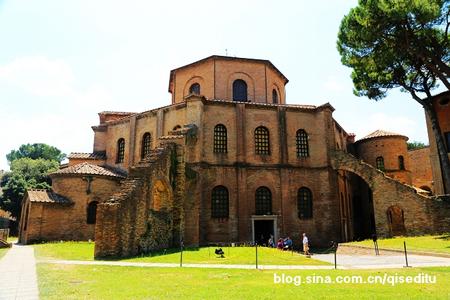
[{"x": 442, "y": 151}]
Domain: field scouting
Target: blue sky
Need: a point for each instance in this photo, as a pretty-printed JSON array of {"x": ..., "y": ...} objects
[{"x": 62, "y": 62}]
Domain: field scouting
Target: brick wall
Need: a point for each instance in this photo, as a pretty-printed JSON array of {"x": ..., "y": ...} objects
[
  {"x": 52, "y": 221},
  {"x": 130, "y": 222},
  {"x": 390, "y": 148},
  {"x": 422, "y": 215},
  {"x": 420, "y": 167}
]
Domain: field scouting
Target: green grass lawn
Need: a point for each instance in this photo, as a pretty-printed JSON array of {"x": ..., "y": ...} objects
[
  {"x": 427, "y": 243},
  {"x": 65, "y": 250},
  {"x": 233, "y": 255},
  {"x": 12, "y": 239},
  {"x": 3, "y": 252},
  {"x": 112, "y": 282}
]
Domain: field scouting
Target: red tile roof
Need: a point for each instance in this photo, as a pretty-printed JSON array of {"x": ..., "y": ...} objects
[
  {"x": 101, "y": 155},
  {"x": 45, "y": 196},
  {"x": 381, "y": 133},
  {"x": 90, "y": 169}
]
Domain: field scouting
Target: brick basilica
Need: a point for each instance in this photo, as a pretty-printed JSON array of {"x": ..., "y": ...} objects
[{"x": 227, "y": 161}]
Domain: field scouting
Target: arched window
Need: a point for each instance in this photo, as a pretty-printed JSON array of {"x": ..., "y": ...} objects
[
  {"x": 302, "y": 143},
  {"x": 304, "y": 203},
  {"x": 92, "y": 212},
  {"x": 194, "y": 89},
  {"x": 380, "y": 163},
  {"x": 219, "y": 202},
  {"x": 146, "y": 144},
  {"x": 401, "y": 162},
  {"x": 263, "y": 201},
  {"x": 274, "y": 96},
  {"x": 220, "y": 139},
  {"x": 120, "y": 151},
  {"x": 239, "y": 90},
  {"x": 176, "y": 127},
  {"x": 262, "y": 141},
  {"x": 447, "y": 140}
]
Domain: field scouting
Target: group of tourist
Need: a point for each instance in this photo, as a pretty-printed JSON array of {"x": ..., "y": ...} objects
[{"x": 287, "y": 244}]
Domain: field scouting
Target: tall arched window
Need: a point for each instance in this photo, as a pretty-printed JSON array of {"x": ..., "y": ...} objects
[
  {"x": 91, "y": 212},
  {"x": 239, "y": 90},
  {"x": 262, "y": 141},
  {"x": 220, "y": 139},
  {"x": 146, "y": 144},
  {"x": 194, "y": 89},
  {"x": 401, "y": 162},
  {"x": 380, "y": 163},
  {"x": 120, "y": 151},
  {"x": 219, "y": 202},
  {"x": 304, "y": 203},
  {"x": 302, "y": 143},
  {"x": 263, "y": 201},
  {"x": 274, "y": 96}
]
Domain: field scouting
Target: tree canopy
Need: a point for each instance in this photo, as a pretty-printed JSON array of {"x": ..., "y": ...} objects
[
  {"x": 35, "y": 151},
  {"x": 414, "y": 145},
  {"x": 400, "y": 44},
  {"x": 396, "y": 43},
  {"x": 29, "y": 169}
]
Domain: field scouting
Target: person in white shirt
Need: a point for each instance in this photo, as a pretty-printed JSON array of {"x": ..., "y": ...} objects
[{"x": 305, "y": 245}]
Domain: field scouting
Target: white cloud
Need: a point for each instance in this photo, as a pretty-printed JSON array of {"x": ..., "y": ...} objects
[
  {"x": 333, "y": 84},
  {"x": 39, "y": 75},
  {"x": 66, "y": 126},
  {"x": 394, "y": 123}
]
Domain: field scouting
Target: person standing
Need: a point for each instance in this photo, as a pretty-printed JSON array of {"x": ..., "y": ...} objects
[{"x": 306, "y": 245}]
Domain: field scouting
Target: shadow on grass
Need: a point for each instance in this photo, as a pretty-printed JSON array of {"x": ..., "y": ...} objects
[
  {"x": 156, "y": 253},
  {"x": 445, "y": 236}
]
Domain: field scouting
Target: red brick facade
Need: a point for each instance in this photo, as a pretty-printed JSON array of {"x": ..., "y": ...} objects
[{"x": 292, "y": 160}]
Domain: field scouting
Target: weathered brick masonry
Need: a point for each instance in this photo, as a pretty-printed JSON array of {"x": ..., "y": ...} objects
[{"x": 230, "y": 161}]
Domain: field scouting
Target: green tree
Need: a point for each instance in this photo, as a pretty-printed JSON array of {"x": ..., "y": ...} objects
[
  {"x": 35, "y": 151},
  {"x": 29, "y": 169},
  {"x": 414, "y": 145},
  {"x": 400, "y": 44}
]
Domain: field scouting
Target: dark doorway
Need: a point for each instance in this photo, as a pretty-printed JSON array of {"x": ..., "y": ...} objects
[
  {"x": 362, "y": 209},
  {"x": 263, "y": 230}
]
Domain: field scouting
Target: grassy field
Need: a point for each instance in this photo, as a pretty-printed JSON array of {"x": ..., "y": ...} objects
[
  {"x": 3, "y": 252},
  {"x": 112, "y": 282},
  {"x": 12, "y": 239},
  {"x": 233, "y": 255},
  {"x": 428, "y": 243}
]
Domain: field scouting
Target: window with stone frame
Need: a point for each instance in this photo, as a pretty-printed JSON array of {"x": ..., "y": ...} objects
[
  {"x": 380, "y": 163},
  {"x": 301, "y": 138},
  {"x": 263, "y": 201},
  {"x": 92, "y": 212},
  {"x": 262, "y": 141},
  {"x": 219, "y": 202},
  {"x": 220, "y": 139},
  {"x": 304, "y": 203},
  {"x": 401, "y": 162},
  {"x": 274, "y": 96},
  {"x": 146, "y": 144},
  {"x": 194, "y": 89},
  {"x": 120, "y": 151}
]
